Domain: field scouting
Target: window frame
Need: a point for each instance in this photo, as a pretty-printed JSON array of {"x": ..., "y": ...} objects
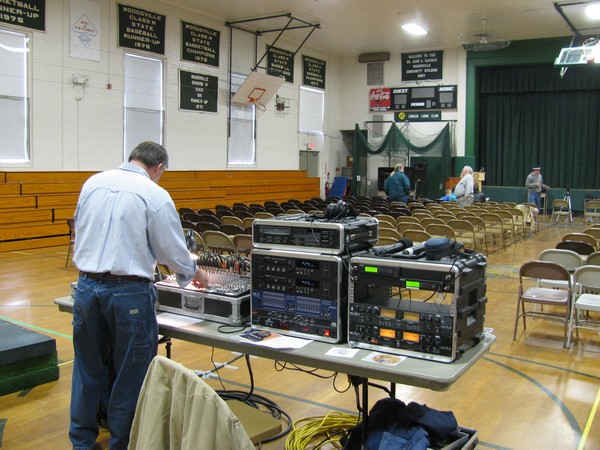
[
  {"x": 132, "y": 106},
  {"x": 25, "y": 98}
]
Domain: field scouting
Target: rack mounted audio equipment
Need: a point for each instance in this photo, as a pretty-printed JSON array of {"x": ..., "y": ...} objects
[
  {"x": 299, "y": 294},
  {"x": 421, "y": 308},
  {"x": 308, "y": 233}
]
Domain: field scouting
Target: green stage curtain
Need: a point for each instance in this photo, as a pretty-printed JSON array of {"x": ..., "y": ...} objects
[
  {"x": 530, "y": 115},
  {"x": 396, "y": 143}
]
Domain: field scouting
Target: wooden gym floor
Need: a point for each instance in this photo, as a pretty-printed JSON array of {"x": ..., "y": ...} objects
[{"x": 525, "y": 394}]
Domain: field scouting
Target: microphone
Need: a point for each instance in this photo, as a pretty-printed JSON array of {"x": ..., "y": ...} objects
[
  {"x": 402, "y": 244},
  {"x": 415, "y": 250}
]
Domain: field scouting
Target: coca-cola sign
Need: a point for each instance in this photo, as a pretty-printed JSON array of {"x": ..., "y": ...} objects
[{"x": 380, "y": 99}]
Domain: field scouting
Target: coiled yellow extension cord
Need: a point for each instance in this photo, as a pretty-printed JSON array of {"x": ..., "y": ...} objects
[{"x": 319, "y": 430}]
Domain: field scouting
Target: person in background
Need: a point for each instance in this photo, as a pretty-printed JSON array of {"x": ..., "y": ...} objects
[
  {"x": 464, "y": 188},
  {"x": 125, "y": 224},
  {"x": 449, "y": 196},
  {"x": 478, "y": 196},
  {"x": 535, "y": 185},
  {"x": 397, "y": 185}
]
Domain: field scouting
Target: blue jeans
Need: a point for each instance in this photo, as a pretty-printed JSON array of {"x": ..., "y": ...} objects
[
  {"x": 112, "y": 321},
  {"x": 536, "y": 199}
]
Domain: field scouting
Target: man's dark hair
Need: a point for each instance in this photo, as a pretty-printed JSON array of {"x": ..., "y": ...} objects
[{"x": 150, "y": 153}]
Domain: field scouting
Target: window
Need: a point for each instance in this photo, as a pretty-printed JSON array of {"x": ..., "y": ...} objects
[
  {"x": 242, "y": 129},
  {"x": 14, "y": 100},
  {"x": 312, "y": 107},
  {"x": 144, "y": 109}
]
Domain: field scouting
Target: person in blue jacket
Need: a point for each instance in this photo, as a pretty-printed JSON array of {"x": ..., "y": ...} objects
[{"x": 397, "y": 185}]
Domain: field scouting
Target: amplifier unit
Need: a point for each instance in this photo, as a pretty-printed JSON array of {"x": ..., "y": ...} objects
[
  {"x": 299, "y": 294},
  {"x": 307, "y": 233},
  {"x": 226, "y": 300},
  {"x": 426, "y": 309}
]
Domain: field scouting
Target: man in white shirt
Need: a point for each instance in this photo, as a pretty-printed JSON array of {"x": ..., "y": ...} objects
[
  {"x": 125, "y": 224},
  {"x": 464, "y": 188}
]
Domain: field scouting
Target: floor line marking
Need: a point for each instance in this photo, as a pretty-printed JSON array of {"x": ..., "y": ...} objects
[
  {"x": 588, "y": 425},
  {"x": 28, "y": 325}
]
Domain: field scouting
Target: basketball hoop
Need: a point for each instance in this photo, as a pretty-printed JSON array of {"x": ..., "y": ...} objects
[{"x": 591, "y": 49}]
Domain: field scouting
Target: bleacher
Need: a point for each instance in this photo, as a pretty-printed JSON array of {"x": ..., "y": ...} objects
[{"x": 35, "y": 206}]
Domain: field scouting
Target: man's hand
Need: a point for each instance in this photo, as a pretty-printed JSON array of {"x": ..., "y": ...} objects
[{"x": 200, "y": 279}]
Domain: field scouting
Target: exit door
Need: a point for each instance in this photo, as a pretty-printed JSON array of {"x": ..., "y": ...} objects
[{"x": 309, "y": 161}]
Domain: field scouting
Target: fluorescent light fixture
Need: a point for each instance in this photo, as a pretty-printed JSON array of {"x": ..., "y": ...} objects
[
  {"x": 593, "y": 11},
  {"x": 415, "y": 29}
]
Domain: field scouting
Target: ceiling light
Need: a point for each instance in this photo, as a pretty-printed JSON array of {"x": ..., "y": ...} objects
[
  {"x": 415, "y": 29},
  {"x": 593, "y": 11}
]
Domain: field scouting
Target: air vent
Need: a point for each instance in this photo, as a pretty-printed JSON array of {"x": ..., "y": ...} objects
[
  {"x": 373, "y": 57},
  {"x": 375, "y": 74}
]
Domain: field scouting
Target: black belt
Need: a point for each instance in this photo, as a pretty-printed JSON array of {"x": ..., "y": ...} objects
[{"x": 107, "y": 276}]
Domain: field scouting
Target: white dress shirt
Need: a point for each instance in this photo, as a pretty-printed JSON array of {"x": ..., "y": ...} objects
[{"x": 125, "y": 223}]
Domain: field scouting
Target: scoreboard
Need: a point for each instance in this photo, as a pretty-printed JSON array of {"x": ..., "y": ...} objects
[{"x": 413, "y": 98}]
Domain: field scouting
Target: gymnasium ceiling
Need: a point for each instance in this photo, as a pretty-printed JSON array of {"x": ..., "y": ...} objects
[{"x": 351, "y": 27}]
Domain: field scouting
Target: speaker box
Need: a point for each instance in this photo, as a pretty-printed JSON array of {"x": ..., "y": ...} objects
[
  {"x": 382, "y": 174},
  {"x": 419, "y": 171},
  {"x": 373, "y": 57}
]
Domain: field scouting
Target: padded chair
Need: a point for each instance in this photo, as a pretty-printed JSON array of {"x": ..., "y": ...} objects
[
  {"x": 225, "y": 212},
  {"x": 242, "y": 214},
  {"x": 561, "y": 208},
  {"x": 71, "y": 224},
  {"x": 206, "y": 211},
  {"x": 493, "y": 228},
  {"x": 518, "y": 222},
  {"x": 444, "y": 231},
  {"x": 465, "y": 233},
  {"x": 389, "y": 232},
  {"x": 208, "y": 218},
  {"x": 243, "y": 244},
  {"x": 581, "y": 237},
  {"x": 529, "y": 292},
  {"x": 177, "y": 409},
  {"x": 431, "y": 220},
  {"x": 416, "y": 235},
  {"x": 386, "y": 240},
  {"x": 188, "y": 224},
  {"x": 593, "y": 259},
  {"x": 263, "y": 215},
  {"x": 248, "y": 221},
  {"x": 386, "y": 219},
  {"x": 201, "y": 227},
  {"x": 407, "y": 219},
  {"x": 183, "y": 211},
  {"x": 232, "y": 230},
  {"x": 480, "y": 232},
  {"x": 595, "y": 233},
  {"x": 192, "y": 217},
  {"x": 193, "y": 240},
  {"x": 402, "y": 227},
  {"x": 530, "y": 216},
  {"x": 581, "y": 248},
  {"x": 219, "y": 242},
  {"x": 586, "y": 280},
  {"x": 232, "y": 220},
  {"x": 566, "y": 258},
  {"x": 508, "y": 225},
  {"x": 591, "y": 212}
]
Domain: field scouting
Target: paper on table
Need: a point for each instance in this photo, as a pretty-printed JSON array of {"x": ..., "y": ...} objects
[
  {"x": 177, "y": 320},
  {"x": 279, "y": 341},
  {"x": 343, "y": 352}
]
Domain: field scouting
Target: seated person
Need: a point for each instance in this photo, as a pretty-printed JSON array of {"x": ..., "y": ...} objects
[
  {"x": 449, "y": 196},
  {"x": 478, "y": 196}
]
